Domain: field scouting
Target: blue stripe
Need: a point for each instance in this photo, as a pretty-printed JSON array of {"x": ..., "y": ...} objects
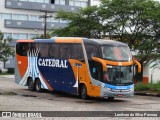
[
  {"x": 44, "y": 40},
  {"x": 119, "y": 87}
]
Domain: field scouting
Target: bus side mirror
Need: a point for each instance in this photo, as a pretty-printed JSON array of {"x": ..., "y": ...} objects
[
  {"x": 139, "y": 65},
  {"x": 104, "y": 66}
]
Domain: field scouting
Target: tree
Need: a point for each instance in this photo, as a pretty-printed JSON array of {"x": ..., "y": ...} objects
[
  {"x": 5, "y": 50},
  {"x": 135, "y": 22},
  {"x": 85, "y": 23}
]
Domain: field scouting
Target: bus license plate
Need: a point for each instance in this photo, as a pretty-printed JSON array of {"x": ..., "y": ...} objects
[{"x": 120, "y": 95}]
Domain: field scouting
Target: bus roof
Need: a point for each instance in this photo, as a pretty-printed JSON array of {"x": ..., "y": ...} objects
[
  {"x": 77, "y": 40},
  {"x": 104, "y": 42}
]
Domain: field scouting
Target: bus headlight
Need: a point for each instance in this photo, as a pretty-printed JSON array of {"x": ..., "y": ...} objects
[
  {"x": 102, "y": 85},
  {"x": 108, "y": 89}
]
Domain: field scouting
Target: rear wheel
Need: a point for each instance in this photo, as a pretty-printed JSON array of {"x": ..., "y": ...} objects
[
  {"x": 30, "y": 84},
  {"x": 38, "y": 86},
  {"x": 83, "y": 93}
]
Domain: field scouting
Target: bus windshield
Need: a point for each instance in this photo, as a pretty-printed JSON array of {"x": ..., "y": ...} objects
[
  {"x": 119, "y": 75},
  {"x": 116, "y": 53}
]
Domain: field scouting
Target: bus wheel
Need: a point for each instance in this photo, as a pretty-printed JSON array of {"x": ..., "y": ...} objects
[
  {"x": 38, "y": 86},
  {"x": 110, "y": 98},
  {"x": 83, "y": 92},
  {"x": 30, "y": 84}
]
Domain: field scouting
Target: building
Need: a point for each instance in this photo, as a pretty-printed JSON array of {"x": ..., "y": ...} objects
[
  {"x": 20, "y": 19},
  {"x": 151, "y": 72}
]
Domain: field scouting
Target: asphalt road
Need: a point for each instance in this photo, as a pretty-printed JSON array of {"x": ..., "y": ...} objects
[{"x": 25, "y": 100}]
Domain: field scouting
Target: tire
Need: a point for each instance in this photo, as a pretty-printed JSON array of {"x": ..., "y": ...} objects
[
  {"x": 110, "y": 98},
  {"x": 30, "y": 84},
  {"x": 83, "y": 93},
  {"x": 38, "y": 86}
]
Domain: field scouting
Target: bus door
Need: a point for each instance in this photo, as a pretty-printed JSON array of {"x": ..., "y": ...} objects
[{"x": 78, "y": 64}]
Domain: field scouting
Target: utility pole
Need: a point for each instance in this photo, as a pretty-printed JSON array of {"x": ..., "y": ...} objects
[{"x": 45, "y": 16}]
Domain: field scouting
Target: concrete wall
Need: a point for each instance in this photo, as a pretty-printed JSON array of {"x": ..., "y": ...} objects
[{"x": 151, "y": 74}]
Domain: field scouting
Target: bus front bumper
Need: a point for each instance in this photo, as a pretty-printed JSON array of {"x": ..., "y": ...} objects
[{"x": 105, "y": 93}]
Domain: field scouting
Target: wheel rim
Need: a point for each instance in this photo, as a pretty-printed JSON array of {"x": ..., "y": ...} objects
[
  {"x": 38, "y": 86},
  {"x": 30, "y": 85}
]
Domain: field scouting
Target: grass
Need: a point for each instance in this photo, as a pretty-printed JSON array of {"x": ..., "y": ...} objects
[
  {"x": 6, "y": 73},
  {"x": 151, "y": 87}
]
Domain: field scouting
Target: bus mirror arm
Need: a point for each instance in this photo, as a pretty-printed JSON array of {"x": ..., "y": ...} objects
[
  {"x": 102, "y": 62},
  {"x": 139, "y": 65}
]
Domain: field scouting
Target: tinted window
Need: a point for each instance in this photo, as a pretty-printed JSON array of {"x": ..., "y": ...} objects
[
  {"x": 92, "y": 51},
  {"x": 77, "y": 51},
  {"x": 44, "y": 47},
  {"x": 65, "y": 51},
  {"x": 22, "y": 48},
  {"x": 54, "y": 50}
]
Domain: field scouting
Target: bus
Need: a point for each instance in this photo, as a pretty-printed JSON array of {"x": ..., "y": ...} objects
[{"x": 81, "y": 66}]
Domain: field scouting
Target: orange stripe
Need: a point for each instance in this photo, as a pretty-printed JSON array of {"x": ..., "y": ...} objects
[
  {"x": 118, "y": 63},
  {"x": 68, "y": 40},
  {"x": 25, "y": 40}
]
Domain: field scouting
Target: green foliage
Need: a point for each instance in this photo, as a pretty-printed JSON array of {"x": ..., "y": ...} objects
[
  {"x": 135, "y": 22},
  {"x": 148, "y": 87},
  {"x": 5, "y": 50},
  {"x": 84, "y": 23}
]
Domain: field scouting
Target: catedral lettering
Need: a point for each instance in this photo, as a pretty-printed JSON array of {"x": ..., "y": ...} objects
[
  {"x": 86, "y": 67},
  {"x": 53, "y": 63}
]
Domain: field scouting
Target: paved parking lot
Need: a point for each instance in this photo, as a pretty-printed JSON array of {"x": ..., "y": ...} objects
[{"x": 15, "y": 97}]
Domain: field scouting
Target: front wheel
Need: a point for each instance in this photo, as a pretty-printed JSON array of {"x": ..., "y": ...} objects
[
  {"x": 83, "y": 93},
  {"x": 38, "y": 86},
  {"x": 30, "y": 84}
]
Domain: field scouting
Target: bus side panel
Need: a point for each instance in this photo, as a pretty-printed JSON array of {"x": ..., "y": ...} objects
[
  {"x": 58, "y": 73},
  {"x": 21, "y": 68},
  {"x": 17, "y": 72}
]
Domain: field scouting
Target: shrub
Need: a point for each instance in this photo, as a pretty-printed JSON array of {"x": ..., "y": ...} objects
[
  {"x": 0, "y": 71},
  {"x": 148, "y": 87}
]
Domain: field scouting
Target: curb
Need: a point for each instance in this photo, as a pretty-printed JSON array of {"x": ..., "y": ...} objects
[{"x": 147, "y": 94}]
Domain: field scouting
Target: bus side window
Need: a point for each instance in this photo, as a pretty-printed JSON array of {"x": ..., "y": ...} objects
[
  {"x": 54, "y": 50},
  {"x": 43, "y": 49},
  {"x": 22, "y": 48},
  {"x": 77, "y": 52},
  {"x": 92, "y": 51},
  {"x": 65, "y": 51}
]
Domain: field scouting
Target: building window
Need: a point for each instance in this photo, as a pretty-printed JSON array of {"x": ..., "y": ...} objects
[
  {"x": 40, "y": 1},
  {"x": 23, "y": 0},
  {"x": 7, "y": 35},
  {"x": 80, "y": 3},
  {"x": 19, "y": 17},
  {"x": 15, "y": 36},
  {"x": 33, "y": 18},
  {"x": 46, "y": 1},
  {"x": 20, "y": 36},
  {"x": 62, "y": 2},
  {"x": 54, "y": 20},
  {"x": 71, "y": 2},
  {"x": 32, "y": 0},
  {"x": 23, "y": 36},
  {"x": 56, "y": 1},
  {"x": 6, "y": 16}
]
